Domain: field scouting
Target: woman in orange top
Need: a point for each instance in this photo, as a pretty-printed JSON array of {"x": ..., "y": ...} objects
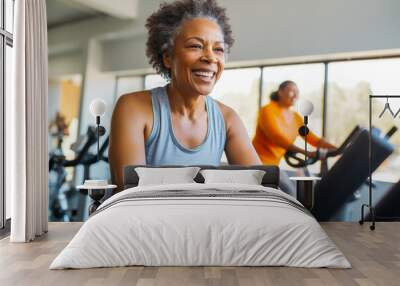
[{"x": 278, "y": 125}]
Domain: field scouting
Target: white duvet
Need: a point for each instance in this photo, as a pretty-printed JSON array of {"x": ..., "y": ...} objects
[{"x": 185, "y": 230}]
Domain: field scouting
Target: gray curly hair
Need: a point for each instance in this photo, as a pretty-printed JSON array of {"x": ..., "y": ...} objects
[{"x": 164, "y": 24}]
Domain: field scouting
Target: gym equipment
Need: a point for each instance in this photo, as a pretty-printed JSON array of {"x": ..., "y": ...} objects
[
  {"x": 63, "y": 194},
  {"x": 346, "y": 176},
  {"x": 388, "y": 207},
  {"x": 294, "y": 159}
]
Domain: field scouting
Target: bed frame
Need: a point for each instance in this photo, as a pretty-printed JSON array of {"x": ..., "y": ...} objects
[
  {"x": 131, "y": 179},
  {"x": 270, "y": 179}
]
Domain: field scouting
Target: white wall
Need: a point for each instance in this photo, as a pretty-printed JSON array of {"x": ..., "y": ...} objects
[
  {"x": 263, "y": 29},
  {"x": 266, "y": 29},
  {"x": 70, "y": 62},
  {"x": 97, "y": 85},
  {"x": 276, "y": 28},
  {"x": 125, "y": 54}
]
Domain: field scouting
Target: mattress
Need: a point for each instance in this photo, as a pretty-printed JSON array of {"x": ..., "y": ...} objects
[{"x": 201, "y": 225}]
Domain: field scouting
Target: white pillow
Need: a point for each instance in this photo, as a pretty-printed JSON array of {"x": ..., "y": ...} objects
[
  {"x": 163, "y": 176},
  {"x": 249, "y": 177}
]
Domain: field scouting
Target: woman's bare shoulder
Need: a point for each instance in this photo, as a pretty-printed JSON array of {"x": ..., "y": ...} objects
[
  {"x": 135, "y": 99},
  {"x": 134, "y": 103},
  {"x": 227, "y": 112},
  {"x": 231, "y": 118}
]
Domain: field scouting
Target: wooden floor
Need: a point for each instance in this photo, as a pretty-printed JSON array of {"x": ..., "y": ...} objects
[{"x": 375, "y": 257}]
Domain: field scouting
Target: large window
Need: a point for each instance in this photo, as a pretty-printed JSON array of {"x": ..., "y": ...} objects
[
  {"x": 6, "y": 43},
  {"x": 239, "y": 89},
  {"x": 350, "y": 84},
  {"x": 128, "y": 84},
  {"x": 154, "y": 80}
]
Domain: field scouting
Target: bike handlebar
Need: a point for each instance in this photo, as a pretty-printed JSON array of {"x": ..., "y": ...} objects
[
  {"x": 293, "y": 160},
  {"x": 83, "y": 157}
]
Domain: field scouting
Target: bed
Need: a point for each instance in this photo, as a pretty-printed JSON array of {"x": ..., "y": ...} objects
[{"x": 201, "y": 224}]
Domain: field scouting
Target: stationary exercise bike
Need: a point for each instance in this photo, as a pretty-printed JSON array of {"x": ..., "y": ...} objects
[
  {"x": 341, "y": 183},
  {"x": 62, "y": 194},
  {"x": 296, "y": 160}
]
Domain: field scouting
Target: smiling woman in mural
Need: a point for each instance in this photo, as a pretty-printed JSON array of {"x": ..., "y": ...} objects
[{"x": 180, "y": 124}]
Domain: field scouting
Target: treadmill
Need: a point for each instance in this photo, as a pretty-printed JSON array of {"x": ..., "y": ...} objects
[{"x": 349, "y": 173}]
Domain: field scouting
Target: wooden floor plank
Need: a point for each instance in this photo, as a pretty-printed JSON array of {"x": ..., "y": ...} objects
[{"x": 374, "y": 255}]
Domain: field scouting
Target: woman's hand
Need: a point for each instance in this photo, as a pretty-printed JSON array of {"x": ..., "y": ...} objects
[
  {"x": 311, "y": 154},
  {"x": 333, "y": 149},
  {"x": 326, "y": 145}
]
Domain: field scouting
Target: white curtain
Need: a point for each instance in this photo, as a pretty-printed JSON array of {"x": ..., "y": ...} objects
[{"x": 26, "y": 123}]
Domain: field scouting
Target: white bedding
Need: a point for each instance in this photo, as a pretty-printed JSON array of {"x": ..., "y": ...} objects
[{"x": 270, "y": 230}]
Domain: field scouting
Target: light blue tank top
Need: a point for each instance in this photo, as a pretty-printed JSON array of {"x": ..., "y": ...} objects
[{"x": 163, "y": 148}]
